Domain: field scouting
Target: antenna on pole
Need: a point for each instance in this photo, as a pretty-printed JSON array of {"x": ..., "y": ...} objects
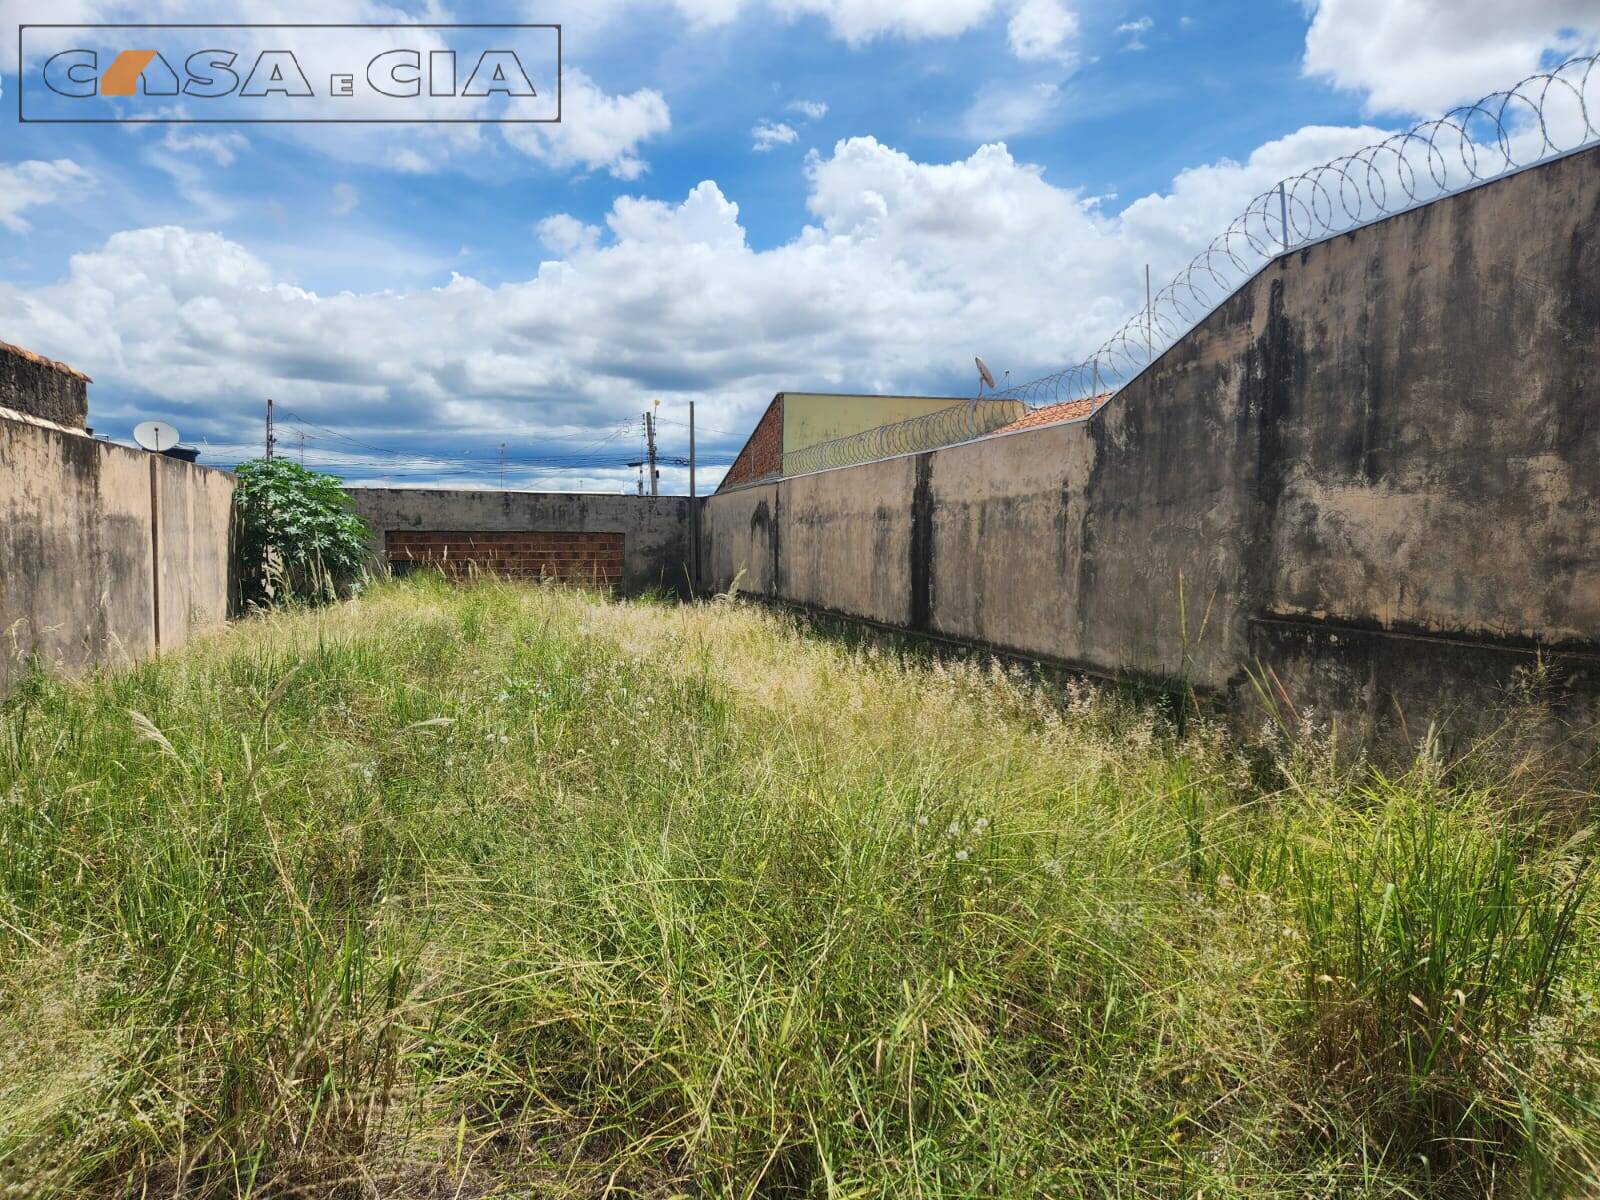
[{"x": 985, "y": 376}]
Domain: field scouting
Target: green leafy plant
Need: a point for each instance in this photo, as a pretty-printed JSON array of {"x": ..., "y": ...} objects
[{"x": 297, "y": 539}]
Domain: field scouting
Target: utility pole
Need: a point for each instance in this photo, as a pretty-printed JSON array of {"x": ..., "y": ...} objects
[
  {"x": 650, "y": 437},
  {"x": 694, "y": 517},
  {"x": 302, "y": 447},
  {"x": 502, "y": 466},
  {"x": 270, "y": 438}
]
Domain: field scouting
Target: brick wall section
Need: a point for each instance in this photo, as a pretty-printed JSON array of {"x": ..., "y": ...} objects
[
  {"x": 762, "y": 456},
  {"x": 593, "y": 559},
  {"x": 41, "y": 387}
]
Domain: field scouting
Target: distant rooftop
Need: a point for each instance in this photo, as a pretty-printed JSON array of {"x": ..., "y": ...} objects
[{"x": 1054, "y": 414}]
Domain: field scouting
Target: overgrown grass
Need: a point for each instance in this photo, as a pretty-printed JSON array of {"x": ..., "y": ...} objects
[{"x": 514, "y": 891}]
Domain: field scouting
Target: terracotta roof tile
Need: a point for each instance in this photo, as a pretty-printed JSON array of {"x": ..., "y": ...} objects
[
  {"x": 1054, "y": 414},
  {"x": 8, "y": 348}
]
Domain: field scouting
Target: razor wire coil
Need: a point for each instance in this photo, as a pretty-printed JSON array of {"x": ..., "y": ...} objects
[{"x": 943, "y": 427}]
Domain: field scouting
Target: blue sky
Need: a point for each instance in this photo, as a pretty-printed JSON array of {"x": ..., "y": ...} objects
[{"x": 744, "y": 196}]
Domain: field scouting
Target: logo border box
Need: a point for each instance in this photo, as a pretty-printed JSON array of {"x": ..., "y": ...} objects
[{"x": 23, "y": 120}]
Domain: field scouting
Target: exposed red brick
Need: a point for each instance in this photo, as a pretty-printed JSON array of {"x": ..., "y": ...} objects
[
  {"x": 762, "y": 455},
  {"x": 586, "y": 558}
]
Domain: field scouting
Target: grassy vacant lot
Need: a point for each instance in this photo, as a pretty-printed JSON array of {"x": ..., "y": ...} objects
[{"x": 505, "y": 891}]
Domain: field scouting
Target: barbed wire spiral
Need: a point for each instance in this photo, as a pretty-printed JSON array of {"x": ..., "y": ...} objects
[{"x": 1546, "y": 116}]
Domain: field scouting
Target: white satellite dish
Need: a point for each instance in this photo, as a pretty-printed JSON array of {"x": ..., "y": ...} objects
[
  {"x": 986, "y": 375},
  {"x": 156, "y": 436}
]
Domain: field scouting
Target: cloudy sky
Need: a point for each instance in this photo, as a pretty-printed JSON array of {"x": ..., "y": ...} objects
[{"x": 744, "y": 196}]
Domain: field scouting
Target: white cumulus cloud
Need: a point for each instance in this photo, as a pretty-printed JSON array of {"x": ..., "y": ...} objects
[
  {"x": 36, "y": 182},
  {"x": 598, "y": 131},
  {"x": 1043, "y": 29},
  {"x": 1422, "y": 56},
  {"x": 768, "y": 134}
]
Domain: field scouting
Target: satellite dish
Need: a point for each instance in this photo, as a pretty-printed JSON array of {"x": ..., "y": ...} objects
[
  {"x": 156, "y": 436},
  {"x": 983, "y": 372}
]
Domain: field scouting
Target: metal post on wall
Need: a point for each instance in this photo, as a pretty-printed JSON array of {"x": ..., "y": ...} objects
[
  {"x": 1283, "y": 215},
  {"x": 1149, "y": 319}
]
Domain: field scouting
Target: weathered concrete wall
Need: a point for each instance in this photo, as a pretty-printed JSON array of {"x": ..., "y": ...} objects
[
  {"x": 845, "y": 541},
  {"x": 41, "y": 387},
  {"x": 1375, "y": 470},
  {"x": 741, "y": 534},
  {"x": 656, "y": 530},
  {"x": 77, "y": 584},
  {"x": 194, "y": 545}
]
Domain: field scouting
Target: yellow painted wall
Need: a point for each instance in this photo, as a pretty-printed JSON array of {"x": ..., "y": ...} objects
[{"x": 809, "y": 418}]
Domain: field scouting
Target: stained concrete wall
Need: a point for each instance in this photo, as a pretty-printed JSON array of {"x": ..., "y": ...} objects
[
  {"x": 739, "y": 540},
  {"x": 1375, "y": 470},
  {"x": 78, "y": 585},
  {"x": 193, "y": 546},
  {"x": 36, "y": 386},
  {"x": 656, "y": 529}
]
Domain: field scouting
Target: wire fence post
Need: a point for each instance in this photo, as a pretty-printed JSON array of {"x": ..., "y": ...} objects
[
  {"x": 1283, "y": 215},
  {"x": 1149, "y": 319}
]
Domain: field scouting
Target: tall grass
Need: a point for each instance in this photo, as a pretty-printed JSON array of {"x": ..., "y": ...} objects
[{"x": 494, "y": 890}]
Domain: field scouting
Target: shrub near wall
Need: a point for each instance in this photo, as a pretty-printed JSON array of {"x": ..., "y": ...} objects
[{"x": 298, "y": 538}]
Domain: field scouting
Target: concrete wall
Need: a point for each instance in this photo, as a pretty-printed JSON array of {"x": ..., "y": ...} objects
[
  {"x": 656, "y": 530},
  {"x": 36, "y": 386},
  {"x": 1375, "y": 469},
  {"x": 194, "y": 547},
  {"x": 78, "y": 544}
]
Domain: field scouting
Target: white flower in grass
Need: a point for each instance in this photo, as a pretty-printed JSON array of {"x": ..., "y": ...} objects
[
  {"x": 980, "y": 825},
  {"x": 954, "y": 830},
  {"x": 962, "y": 855}
]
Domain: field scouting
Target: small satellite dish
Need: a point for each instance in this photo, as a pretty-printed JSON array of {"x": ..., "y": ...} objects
[
  {"x": 155, "y": 436},
  {"x": 984, "y": 373}
]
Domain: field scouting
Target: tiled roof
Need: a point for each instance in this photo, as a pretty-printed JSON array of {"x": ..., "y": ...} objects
[
  {"x": 41, "y": 360},
  {"x": 1054, "y": 414}
]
